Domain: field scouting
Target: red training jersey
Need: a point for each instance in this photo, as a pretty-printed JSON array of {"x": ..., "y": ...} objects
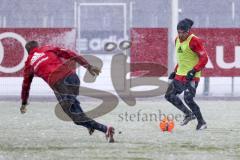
[{"x": 49, "y": 63}]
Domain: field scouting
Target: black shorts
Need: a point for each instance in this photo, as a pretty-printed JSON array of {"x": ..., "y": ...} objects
[
  {"x": 177, "y": 87},
  {"x": 67, "y": 88}
]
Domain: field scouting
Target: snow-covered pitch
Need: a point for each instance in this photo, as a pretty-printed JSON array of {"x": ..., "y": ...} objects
[{"x": 39, "y": 134}]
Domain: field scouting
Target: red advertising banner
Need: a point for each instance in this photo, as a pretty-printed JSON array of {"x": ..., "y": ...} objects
[
  {"x": 12, "y": 52},
  {"x": 222, "y": 46},
  {"x": 149, "y": 45}
]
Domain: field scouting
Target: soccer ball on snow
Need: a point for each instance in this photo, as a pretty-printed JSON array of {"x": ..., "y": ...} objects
[{"x": 166, "y": 125}]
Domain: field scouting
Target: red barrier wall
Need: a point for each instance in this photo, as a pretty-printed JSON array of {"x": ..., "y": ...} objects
[
  {"x": 222, "y": 46},
  {"x": 12, "y": 52}
]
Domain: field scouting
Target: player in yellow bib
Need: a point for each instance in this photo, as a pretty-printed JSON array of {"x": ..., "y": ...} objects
[{"x": 191, "y": 59}]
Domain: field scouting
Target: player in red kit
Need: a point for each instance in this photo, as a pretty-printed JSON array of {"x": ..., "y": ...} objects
[{"x": 48, "y": 63}]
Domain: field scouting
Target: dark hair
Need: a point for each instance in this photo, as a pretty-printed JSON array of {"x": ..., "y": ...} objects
[
  {"x": 185, "y": 24},
  {"x": 30, "y": 45}
]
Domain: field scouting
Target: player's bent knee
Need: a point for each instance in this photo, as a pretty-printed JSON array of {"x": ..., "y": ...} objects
[{"x": 188, "y": 99}]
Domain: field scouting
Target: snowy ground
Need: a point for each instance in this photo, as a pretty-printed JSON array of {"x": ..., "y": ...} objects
[{"x": 39, "y": 134}]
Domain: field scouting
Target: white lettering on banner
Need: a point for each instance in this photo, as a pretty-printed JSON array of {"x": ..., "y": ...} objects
[
  {"x": 209, "y": 64},
  {"x": 83, "y": 44},
  {"x": 220, "y": 58},
  {"x": 1, "y": 53},
  {"x": 21, "y": 64},
  {"x": 97, "y": 44}
]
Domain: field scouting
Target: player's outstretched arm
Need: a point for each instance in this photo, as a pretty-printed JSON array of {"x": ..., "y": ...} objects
[{"x": 27, "y": 80}]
